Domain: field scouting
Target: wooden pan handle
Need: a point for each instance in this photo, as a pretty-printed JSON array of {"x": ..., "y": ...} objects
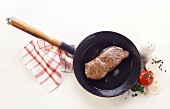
[{"x": 33, "y": 31}]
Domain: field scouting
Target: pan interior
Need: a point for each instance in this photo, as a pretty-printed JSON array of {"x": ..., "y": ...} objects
[{"x": 114, "y": 78}]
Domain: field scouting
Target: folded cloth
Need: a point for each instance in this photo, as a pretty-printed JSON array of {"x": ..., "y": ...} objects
[{"x": 46, "y": 62}]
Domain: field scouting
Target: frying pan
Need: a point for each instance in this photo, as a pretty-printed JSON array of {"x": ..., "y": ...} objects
[{"x": 117, "y": 81}]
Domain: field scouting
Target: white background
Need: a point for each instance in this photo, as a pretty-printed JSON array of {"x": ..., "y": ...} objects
[{"x": 71, "y": 21}]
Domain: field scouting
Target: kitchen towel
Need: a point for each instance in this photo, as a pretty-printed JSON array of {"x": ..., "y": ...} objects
[{"x": 46, "y": 62}]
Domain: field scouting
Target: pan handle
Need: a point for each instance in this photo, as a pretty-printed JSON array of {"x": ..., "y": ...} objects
[{"x": 37, "y": 33}]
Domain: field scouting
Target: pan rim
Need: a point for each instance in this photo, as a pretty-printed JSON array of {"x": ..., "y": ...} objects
[{"x": 113, "y": 92}]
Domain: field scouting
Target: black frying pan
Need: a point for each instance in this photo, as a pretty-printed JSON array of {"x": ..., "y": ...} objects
[{"x": 117, "y": 81}]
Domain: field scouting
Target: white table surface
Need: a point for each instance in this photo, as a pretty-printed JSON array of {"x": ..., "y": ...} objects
[{"x": 71, "y": 21}]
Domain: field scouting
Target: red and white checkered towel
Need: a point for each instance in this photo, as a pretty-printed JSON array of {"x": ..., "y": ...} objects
[{"x": 46, "y": 62}]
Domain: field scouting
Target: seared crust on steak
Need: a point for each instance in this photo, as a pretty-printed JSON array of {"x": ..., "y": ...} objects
[{"x": 105, "y": 62}]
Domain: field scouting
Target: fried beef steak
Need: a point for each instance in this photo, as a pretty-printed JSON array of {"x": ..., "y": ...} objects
[{"x": 108, "y": 59}]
